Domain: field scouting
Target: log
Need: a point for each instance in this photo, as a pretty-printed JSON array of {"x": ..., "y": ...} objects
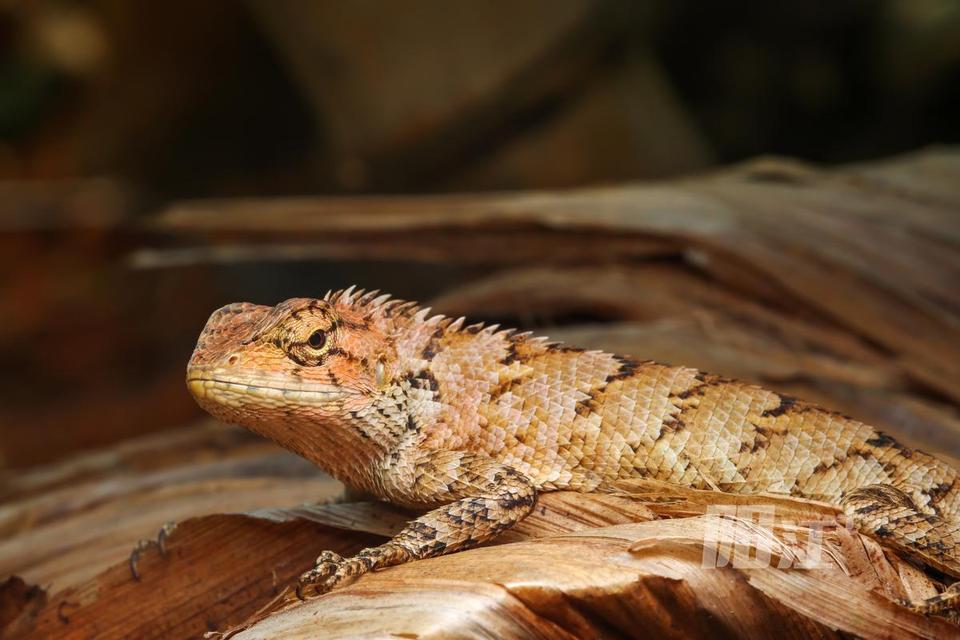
[{"x": 834, "y": 285}]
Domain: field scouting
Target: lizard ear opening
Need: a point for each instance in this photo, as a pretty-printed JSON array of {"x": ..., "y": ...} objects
[{"x": 380, "y": 373}]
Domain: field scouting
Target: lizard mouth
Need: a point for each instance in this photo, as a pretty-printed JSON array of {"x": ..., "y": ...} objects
[{"x": 230, "y": 390}]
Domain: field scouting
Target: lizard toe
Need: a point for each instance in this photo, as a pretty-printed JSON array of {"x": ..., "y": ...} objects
[
  {"x": 315, "y": 583},
  {"x": 329, "y": 557},
  {"x": 327, "y": 573}
]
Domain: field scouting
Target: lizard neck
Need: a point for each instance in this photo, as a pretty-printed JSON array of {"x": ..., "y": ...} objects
[
  {"x": 342, "y": 445},
  {"x": 446, "y": 373}
]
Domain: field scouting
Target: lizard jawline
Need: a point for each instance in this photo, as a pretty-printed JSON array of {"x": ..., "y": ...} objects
[{"x": 213, "y": 388}]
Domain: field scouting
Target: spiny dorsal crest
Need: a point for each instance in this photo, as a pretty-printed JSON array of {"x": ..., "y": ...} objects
[{"x": 373, "y": 303}]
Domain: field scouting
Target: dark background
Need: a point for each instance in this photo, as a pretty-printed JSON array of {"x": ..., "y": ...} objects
[
  {"x": 112, "y": 112},
  {"x": 259, "y": 97}
]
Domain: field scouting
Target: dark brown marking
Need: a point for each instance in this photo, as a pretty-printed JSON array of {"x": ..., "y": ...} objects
[
  {"x": 512, "y": 354},
  {"x": 867, "y": 508},
  {"x": 434, "y": 344},
  {"x": 672, "y": 426},
  {"x": 355, "y": 326},
  {"x": 696, "y": 390},
  {"x": 584, "y": 408},
  {"x": 761, "y": 439},
  {"x": 423, "y": 379},
  {"x": 559, "y": 347},
  {"x": 821, "y": 467},
  {"x": 883, "y": 440},
  {"x": 890, "y": 468},
  {"x": 937, "y": 492},
  {"x": 300, "y": 361},
  {"x": 346, "y": 355},
  {"x": 436, "y": 548},
  {"x": 431, "y": 381},
  {"x": 523, "y": 500},
  {"x": 507, "y": 386},
  {"x": 853, "y": 453},
  {"x": 589, "y": 405},
  {"x": 787, "y": 404},
  {"x": 628, "y": 368},
  {"x": 423, "y": 531},
  {"x": 333, "y": 378},
  {"x": 508, "y": 473}
]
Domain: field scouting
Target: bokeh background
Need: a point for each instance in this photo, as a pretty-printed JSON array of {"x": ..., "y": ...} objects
[{"x": 133, "y": 135}]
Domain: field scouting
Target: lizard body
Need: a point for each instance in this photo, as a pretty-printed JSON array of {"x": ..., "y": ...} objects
[{"x": 472, "y": 422}]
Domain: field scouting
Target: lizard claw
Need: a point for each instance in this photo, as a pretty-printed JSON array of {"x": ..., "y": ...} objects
[
  {"x": 143, "y": 545},
  {"x": 162, "y": 536}
]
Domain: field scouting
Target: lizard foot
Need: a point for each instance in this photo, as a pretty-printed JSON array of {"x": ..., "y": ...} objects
[
  {"x": 941, "y": 604},
  {"x": 332, "y": 570},
  {"x": 143, "y": 545}
]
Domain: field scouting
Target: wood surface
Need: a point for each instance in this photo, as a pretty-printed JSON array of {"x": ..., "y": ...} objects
[{"x": 836, "y": 285}]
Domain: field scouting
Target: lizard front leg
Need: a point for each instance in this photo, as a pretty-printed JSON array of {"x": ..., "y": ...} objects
[{"x": 485, "y": 498}]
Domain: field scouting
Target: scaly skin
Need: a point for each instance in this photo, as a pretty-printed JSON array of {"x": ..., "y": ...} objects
[{"x": 472, "y": 422}]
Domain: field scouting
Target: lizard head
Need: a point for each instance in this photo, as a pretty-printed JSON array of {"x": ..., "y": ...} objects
[{"x": 273, "y": 368}]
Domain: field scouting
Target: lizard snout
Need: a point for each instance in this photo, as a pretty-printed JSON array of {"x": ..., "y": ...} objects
[{"x": 226, "y": 328}]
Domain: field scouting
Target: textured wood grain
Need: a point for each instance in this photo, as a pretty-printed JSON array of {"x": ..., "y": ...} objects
[
  {"x": 836, "y": 286},
  {"x": 220, "y": 570}
]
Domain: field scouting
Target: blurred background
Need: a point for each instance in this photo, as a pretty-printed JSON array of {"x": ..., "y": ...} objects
[{"x": 158, "y": 160}]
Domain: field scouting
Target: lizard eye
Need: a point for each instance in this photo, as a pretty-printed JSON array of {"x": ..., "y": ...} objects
[{"x": 317, "y": 339}]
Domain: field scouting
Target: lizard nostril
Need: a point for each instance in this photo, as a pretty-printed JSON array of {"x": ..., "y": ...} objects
[{"x": 232, "y": 360}]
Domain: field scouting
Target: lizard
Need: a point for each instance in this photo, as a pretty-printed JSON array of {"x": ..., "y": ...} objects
[{"x": 472, "y": 422}]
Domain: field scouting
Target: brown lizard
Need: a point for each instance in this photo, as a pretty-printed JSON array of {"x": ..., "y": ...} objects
[{"x": 472, "y": 422}]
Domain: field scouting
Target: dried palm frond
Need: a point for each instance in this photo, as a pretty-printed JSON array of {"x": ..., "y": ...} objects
[{"x": 651, "y": 559}]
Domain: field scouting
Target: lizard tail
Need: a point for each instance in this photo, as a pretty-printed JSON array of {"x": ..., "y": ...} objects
[{"x": 891, "y": 516}]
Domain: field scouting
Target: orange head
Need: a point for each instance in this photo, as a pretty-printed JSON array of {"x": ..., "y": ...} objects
[{"x": 302, "y": 361}]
